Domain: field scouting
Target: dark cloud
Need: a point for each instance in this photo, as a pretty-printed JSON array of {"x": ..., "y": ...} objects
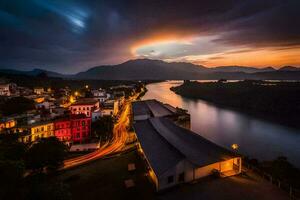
[{"x": 70, "y": 36}]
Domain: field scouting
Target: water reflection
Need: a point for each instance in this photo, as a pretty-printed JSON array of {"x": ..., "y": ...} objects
[{"x": 256, "y": 138}]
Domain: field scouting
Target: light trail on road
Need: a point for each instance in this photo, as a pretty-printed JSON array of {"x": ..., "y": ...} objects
[{"x": 117, "y": 143}]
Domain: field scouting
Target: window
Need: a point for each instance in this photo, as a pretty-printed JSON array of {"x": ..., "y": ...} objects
[
  {"x": 170, "y": 179},
  {"x": 83, "y": 123},
  {"x": 87, "y": 108},
  {"x": 181, "y": 177}
]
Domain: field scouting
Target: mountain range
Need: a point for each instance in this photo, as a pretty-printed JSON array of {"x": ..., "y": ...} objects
[{"x": 146, "y": 69}]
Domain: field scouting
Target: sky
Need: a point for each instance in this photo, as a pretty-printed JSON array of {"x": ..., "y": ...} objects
[{"x": 69, "y": 36}]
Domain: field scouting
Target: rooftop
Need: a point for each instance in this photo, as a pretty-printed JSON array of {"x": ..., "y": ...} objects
[
  {"x": 165, "y": 144},
  {"x": 151, "y": 107},
  {"x": 85, "y": 101},
  {"x": 160, "y": 153}
]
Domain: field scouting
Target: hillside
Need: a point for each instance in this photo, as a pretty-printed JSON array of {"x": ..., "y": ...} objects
[{"x": 146, "y": 69}]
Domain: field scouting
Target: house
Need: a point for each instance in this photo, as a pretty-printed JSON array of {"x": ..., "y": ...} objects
[
  {"x": 176, "y": 155},
  {"x": 38, "y": 90},
  {"x": 96, "y": 114},
  {"x": 85, "y": 106},
  {"x": 62, "y": 129},
  {"x": 44, "y": 105},
  {"x": 8, "y": 89},
  {"x": 7, "y": 123},
  {"x": 101, "y": 95},
  {"x": 36, "y": 130},
  {"x": 5, "y": 90},
  {"x": 110, "y": 107},
  {"x": 80, "y": 128}
]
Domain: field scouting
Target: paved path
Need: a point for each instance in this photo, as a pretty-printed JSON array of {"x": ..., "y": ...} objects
[{"x": 236, "y": 187}]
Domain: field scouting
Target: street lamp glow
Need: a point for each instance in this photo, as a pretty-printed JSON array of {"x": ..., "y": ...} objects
[{"x": 234, "y": 146}]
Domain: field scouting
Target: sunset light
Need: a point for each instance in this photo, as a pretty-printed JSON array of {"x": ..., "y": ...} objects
[{"x": 149, "y": 99}]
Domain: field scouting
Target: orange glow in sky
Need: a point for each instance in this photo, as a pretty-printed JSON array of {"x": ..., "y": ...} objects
[{"x": 204, "y": 50}]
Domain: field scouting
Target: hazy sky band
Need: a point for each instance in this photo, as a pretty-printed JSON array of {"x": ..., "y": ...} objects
[{"x": 71, "y": 36}]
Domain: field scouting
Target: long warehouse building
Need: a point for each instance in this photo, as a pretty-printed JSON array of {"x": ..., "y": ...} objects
[{"x": 176, "y": 155}]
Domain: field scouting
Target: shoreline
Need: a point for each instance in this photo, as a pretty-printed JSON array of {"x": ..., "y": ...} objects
[{"x": 272, "y": 118}]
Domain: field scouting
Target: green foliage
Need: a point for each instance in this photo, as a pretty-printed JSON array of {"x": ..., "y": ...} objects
[
  {"x": 16, "y": 105},
  {"x": 47, "y": 153}
]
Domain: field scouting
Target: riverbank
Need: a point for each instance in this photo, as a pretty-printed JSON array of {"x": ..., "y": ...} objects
[{"x": 273, "y": 101}]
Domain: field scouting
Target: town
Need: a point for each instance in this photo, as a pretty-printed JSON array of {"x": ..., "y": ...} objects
[
  {"x": 65, "y": 114},
  {"x": 66, "y": 130}
]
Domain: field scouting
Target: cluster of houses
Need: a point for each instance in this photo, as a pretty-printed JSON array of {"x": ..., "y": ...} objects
[
  {"x": 68, "y": 116},
  {"x": 173, "y": 153}
]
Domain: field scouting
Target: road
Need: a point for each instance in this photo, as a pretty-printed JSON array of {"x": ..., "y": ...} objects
[{"x": 115, "y": 145}]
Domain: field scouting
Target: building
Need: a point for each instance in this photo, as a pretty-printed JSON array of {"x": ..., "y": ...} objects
[
  {"x": 38, "y": 90},
  {"x": 5, "y": 90},
  {"x": 101, "y": 95},
  {"x": 176, "y": 155},
  {"x": 47, "y": 105},
  {"x": 85, "y": 106},
  {"x": 143, "y": 110},
  {"x": 110, "y": 107},
  {"x": 8, "y": 89},
  {"x": 62, "y": 129},
  {"x": 80, "y": 128},
  {"x": 7, "y": 123},
  {"x": 96, "y": 114},
  {"x": 33, "y": 132}
]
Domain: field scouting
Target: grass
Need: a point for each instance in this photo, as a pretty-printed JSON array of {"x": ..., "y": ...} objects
[{"x": 104, "y": 179}]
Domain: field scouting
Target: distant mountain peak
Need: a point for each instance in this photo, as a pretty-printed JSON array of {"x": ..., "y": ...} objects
[{"x": 289, "y": 68}]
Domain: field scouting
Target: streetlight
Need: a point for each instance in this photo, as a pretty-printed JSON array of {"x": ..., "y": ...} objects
[{"x": 234, "y": 146}]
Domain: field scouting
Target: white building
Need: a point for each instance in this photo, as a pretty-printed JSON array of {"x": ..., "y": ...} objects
[
  {"x": 176, "y": 155},
  {"x": 111, "y": 106},
  {"x": 39, "y": 90},
  {"x": 101, "y": 95},
  {"x": 96, "y": 114},
  {"x": 5, "y": 90},
  {"x": 85, "y": 106}
]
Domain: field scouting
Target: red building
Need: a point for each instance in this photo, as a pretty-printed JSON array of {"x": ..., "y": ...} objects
[
  {"x": 80, "y": 128},
  {"x": 62, "y": 129}
]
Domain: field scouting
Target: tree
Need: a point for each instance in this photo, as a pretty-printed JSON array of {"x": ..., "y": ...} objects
[
  {"x": 11, "y": 164},
  {"x": 103, "y": 127},
  {"x": 47, "y": 153},
  {"x": 17, "y": 105}
]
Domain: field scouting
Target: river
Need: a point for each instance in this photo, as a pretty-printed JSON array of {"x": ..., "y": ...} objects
[{"x": 256, "y": 138}]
